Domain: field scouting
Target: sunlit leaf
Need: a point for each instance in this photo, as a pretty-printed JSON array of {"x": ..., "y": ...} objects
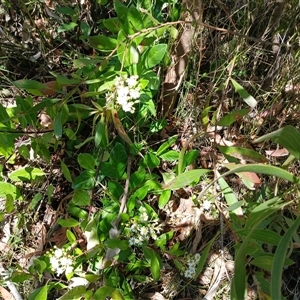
[
  {"x": 26, "y": 174},
  {"x": 244, "y": 94}
]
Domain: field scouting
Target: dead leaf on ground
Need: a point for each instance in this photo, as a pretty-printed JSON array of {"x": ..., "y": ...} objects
[
  {"x": 277, "y": 153},
  {"x": 5, "y": 294}
]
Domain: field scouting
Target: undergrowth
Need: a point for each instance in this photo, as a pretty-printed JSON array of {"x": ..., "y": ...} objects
[{"x": 103, "y": 196}]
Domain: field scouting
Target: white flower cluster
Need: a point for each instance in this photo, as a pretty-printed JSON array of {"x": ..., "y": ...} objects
[
  {"x": 142, "y": 229},
  {"x": 60, "y": 261},
  {"x": 125, "y": 92},
  {"x": 192, "y": 262}
]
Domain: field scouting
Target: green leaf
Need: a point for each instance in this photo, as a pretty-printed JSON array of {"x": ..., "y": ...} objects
[
  {"x": 121, "y": 10},
  {"x": 187, "y": 178},
  {"x": 257, "y": 215},
  {"x": 103, "y": 292},
  {"x": 66, "y": 27},
  {"x": 4, "y": 117},
  {"x": 243, "y": 153},
  {"x": 262, "y": 235},
  {"x": 113, "y": 24},
  {"x": 7, "y": 145},
  {"x": 86, "y": 161},
  {"x": 81, "y": 198},
  {"x": 9, "y": 204},
  {"x": 20, "y": 277},
  {"x": 154, "y": 261},
  {"x": 66, "y": 171},
  {"x": 23, "y": 150},
  {"x": 115, "y": 243},
  {"x": 75, "y": 293},
  {"x": 115, "y": 189},
  {"x": 103, "y": 43},
  {"x": 204, "y": 256},
  {"x": 32, "y": 86},
  {"x": 264, "y": 169},
  {"x": 279, "y": 258},
  {"x": 26, "y": 174},
  {"x": 190, "y": 157},
  {"x": 101, "y": 134},
  {"x": 43, "y": 293},
  {"x": 66, "y": 10},
  {"x": 244, "y": 94},
  {"x": 150, "y": 161},
  {"x": 118, "y": 154},
  {"x": 229, "y": 195},
  {"x": 85, "y": 180},
  {"x": 171, "y": 155},
  {"x": 287, "y": 137},
  {"x": 35, "y": 200},
  {"x": 233, "y": 117},
  {"x": 164, "y": 198},
  {"x": 133, "y": 22},
  {"x": 71, "y": 236},
  {"x": 68, "y": 222},
  {"x": 154, "y": 55}
]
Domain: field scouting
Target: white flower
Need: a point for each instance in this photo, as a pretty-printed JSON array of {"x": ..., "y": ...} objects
[
  {"x": 133, "y": 227},
  {"x": 144, "y": 217},
  {"x": 122, "y": 91},
  {"x": 58, "y": 253},
  {"x": 197, "y": 257},
  {"x": 206, "y": 205},
  {"x": 128, "y": 107},
  {"x": 54, "y": 263},
  {"x": 132, "y": 81},
  {"x": 143, "y": 231},
  {"x": 189, "y": 273},
  {"x": 66, "y": 261},
  {"x": 134, "y": 94}
]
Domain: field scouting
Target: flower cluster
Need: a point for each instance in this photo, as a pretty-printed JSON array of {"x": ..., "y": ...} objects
[
  {"x": 192, "y": 262},
  {"x": 60, "y": 261},
  {"x": 142, "y": 229},
  {"x": 125, "y": 92}
]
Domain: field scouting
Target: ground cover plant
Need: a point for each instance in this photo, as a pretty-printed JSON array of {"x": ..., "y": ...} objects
[{"x": 149, "y": 150}]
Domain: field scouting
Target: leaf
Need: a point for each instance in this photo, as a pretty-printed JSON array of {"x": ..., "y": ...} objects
[
  {"x": 204, "y": 256},
  {"x": 86, "y": 161},
  {"x": 26, "y": 174},
  {"x": 171, "y": 155},
  {"x": 187, "y": 178},
  {"x": 4, "y": 117},
  {"x": 66, "y": 171},
  {"x": 103, "y": 292},
  {"x": 262, "y": 235},
  {"x": 66, "y": 27},
  {"x": 43, "y": 293},
  {"x": 31, "y": 86},
  {"x": 244, "y": 94},
  {"x": 113, "y": 24},
  {"x": 264, "y": 169},
  {"x": 103, "y": 43},
  {"x": 233, "y": 117},
  {"x": 154, "y": 261},
  {"x": 150, "y": 161},
  {"x": 115, "y": 243},
  {"x": 133, "y": 22},
  {"x": 257, "y": 215},
  {"x": 164, "y": 198},
  {"x": 279, "y": 258},
  {"x": 250, "y": 179},
  {"x": 229, "y": 196},
  {"x": 287, "y": 137},
  {"x": 243, "y": 153},
  {"x": 9, "y": 189},
  {"x": 154, "y": 55},
  {"x": 85, "y": 180},
  {"x": 68, "y": 222},
  {"x": 75, "y": 293},
  {"x": 166, "y": 145},
  {"x": 81, "y": 198}
]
